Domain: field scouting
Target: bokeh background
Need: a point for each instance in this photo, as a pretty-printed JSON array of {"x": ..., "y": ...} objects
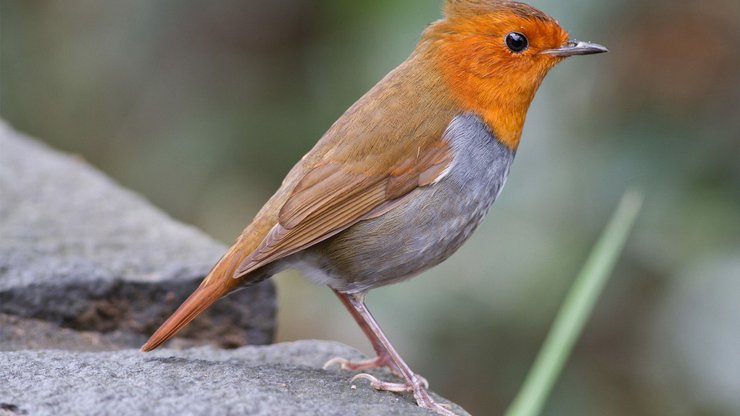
[{"x": 203, "y": 107}]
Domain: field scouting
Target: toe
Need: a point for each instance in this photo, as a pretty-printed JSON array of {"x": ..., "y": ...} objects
[
  {"x": 383, "y": 385},
  {"x": 342, "y": 362}
]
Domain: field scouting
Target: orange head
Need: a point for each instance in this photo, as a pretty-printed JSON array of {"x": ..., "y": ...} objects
[{"x": 494, "y": 54}]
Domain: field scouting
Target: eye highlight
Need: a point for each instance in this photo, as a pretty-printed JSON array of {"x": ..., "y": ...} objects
[{"x": 516, "y": 42}]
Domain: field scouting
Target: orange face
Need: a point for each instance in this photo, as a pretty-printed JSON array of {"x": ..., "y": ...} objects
[{"x": 494, "y": 56}]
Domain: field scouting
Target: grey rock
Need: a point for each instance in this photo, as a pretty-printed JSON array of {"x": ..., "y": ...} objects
[
  {"x": 281, "y": 379},
  {"x": 79, "y": 252},
  {"x": 18, "y": 333}
]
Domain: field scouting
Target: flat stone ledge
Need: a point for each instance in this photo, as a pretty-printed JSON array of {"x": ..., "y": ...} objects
[{"x": 280, "y": 379}]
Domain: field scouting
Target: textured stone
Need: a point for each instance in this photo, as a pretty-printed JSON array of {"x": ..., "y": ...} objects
[
  {"x": 80, "y": 252},
  {"x": 281, "y": 379}
]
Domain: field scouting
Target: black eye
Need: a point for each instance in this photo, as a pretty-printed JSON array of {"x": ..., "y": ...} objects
[{"x": 516, "y": 41}]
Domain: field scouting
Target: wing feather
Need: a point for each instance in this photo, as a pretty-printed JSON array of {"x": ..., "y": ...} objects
[{"x": 332, "y": 197}]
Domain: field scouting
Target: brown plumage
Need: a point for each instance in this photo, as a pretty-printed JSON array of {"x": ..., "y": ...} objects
[
  {"x": 393, "y": 164},
  {"x": 344, "y": 177}
]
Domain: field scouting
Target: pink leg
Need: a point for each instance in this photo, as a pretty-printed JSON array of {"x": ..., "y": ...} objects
[
  {"x": 382, "y": 359},
  {"x": 355, "y": 303}
]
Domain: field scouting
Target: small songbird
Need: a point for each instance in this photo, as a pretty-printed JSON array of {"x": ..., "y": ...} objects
[{"x": 402, "y": 179}]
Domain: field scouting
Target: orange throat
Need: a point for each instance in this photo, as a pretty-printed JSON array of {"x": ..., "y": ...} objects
[
  {"x": 504, "y": 115},
  {"x": 500, "y": 97},
  {"x": 481, "y": 80}
]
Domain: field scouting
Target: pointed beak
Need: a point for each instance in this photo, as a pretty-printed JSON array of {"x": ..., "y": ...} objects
[{"x": 575, "y": 47}]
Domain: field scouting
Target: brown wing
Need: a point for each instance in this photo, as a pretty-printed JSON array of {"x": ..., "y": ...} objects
[{"x": 333, "y": 196}]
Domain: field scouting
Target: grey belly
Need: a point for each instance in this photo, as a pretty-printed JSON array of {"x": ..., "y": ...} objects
[{"x": 427, "y": 225}]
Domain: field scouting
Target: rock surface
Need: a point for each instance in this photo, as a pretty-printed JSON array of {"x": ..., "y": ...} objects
[
  {"x": 79, "y": 252},
  {"x": 281, "y": 379}
]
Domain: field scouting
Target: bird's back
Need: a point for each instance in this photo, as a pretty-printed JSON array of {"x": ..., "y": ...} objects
[{"x": 406, "y": 111}]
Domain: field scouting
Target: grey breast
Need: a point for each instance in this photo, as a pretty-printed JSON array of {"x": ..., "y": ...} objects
[{"x": 430, "y": 223}]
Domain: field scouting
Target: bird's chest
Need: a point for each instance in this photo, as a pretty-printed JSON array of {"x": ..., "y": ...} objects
[{"x": 430, "y": 223}]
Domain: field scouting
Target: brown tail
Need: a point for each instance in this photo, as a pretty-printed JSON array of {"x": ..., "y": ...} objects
[{"x": 218, "y": 283}]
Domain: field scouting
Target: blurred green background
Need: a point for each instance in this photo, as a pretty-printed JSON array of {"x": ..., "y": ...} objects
[{"x": 204, "y": 106}]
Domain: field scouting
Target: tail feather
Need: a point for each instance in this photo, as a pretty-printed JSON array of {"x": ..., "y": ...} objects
[{"x": 218, "y": 283}]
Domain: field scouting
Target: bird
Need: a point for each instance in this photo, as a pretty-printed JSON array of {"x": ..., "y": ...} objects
[{"x": 401, "y": 180}]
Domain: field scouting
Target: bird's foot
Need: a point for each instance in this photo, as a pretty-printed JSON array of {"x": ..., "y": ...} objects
[
  {"x": 377, "y": 362},
  {"x": 418, "y": 386}
]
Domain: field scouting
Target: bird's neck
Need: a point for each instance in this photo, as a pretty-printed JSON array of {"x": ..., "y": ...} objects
[{"x": 499, "y": 95}]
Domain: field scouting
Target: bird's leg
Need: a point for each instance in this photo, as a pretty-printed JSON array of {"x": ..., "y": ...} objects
[
  {"x": 416, "y": 384},
  {"x": 381, "y": 360}
]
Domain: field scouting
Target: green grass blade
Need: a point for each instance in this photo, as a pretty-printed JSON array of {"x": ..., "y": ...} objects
[{"x": 576, "y": 309}]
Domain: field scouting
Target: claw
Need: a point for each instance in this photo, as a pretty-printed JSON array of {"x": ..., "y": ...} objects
[
  {"x": 424, "y": 381},
  {"x": 384, "y": 385},
  {"x": 366, "y": 376},
  {"x": 420, "y": 394},
  {"x": 377, "y": 362},
  {"x": 336, "y": 360}
]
